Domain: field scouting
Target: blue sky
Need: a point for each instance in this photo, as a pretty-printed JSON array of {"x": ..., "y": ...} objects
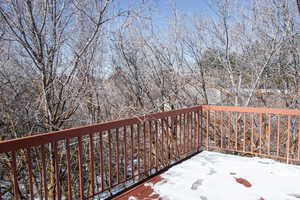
[
  {"x": 164, "y": 8},
  {"x": 189, "y": 6}
]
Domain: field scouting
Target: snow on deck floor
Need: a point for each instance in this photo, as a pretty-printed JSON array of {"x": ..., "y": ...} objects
[{"x": 217, "y": 176}]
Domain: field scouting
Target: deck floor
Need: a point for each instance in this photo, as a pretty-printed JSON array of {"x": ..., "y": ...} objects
[{"x": 217, "y": 176}]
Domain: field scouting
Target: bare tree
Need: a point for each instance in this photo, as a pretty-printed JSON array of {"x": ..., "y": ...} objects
[{"x": 43, "y": 29}]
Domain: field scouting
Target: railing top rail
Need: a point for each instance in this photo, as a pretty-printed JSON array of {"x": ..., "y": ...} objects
[
  {"x": 275, "y": 111},
  {"x": 45, "y": 138}
]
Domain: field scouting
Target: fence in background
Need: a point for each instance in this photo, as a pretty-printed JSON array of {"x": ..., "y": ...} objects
[{"x": 97, "y": 161}]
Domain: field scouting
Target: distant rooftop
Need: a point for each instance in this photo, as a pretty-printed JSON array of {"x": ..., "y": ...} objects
[{"x": 218, "y": 176}]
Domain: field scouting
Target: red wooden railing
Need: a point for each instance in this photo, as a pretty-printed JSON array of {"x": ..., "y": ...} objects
[
  {"x": 101, "y": 160},
  {"x": 265, "y": 132},
  {"x": 98, "y": 160}
]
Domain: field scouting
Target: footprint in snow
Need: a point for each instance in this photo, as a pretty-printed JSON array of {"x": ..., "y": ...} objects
[
  {"x": 196, "y": 184},
  {"x": 210, "y": 159},
  {"x": 296, "y": 195},
  {"x": 203, "y": 197},
  {"x": 211, "y": 171}
]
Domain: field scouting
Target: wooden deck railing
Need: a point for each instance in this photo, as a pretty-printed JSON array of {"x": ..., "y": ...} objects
[
  {"x": 265, "y": 132},
  {"x": 98, "y": 161}
]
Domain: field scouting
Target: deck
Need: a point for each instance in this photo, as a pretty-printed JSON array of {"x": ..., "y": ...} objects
[{"x": 218, "y": 176}]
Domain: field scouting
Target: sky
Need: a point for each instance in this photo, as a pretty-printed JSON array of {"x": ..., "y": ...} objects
[
  {"x": 191, "y": 6},
  {"x": 187, "y": 5},
  {"x": 164, "y": 6}
]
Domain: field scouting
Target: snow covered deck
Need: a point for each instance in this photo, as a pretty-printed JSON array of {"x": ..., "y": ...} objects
[{"x": 218, "y": 176}]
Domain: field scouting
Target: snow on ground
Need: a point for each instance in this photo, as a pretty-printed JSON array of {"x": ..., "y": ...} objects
[{"x": 217, "y": 176}]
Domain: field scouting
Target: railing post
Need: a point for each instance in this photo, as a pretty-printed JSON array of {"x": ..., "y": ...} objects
[
  {"x": 288, "y": 140},
  {"x": 14, "y": 177},
  {"x": 68, "y": 158},
  {"x": 197, "y": 130},
  {"x": 201, "y": 123},
  {"x": 207, "y": 129},
  {"x": 80, "y": 166},
  {"x": 30, "y": 174},
  {"x": 298, "y": 139}
]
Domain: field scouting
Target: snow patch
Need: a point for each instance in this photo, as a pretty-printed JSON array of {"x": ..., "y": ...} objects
[
  {"x": 132, "y": 198},
  {"x": 148, "y": 184},
  {"x": 217, "y": 176}
]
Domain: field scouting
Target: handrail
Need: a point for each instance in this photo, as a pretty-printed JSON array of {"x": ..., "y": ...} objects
[{"x": 275, "y": 111}]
